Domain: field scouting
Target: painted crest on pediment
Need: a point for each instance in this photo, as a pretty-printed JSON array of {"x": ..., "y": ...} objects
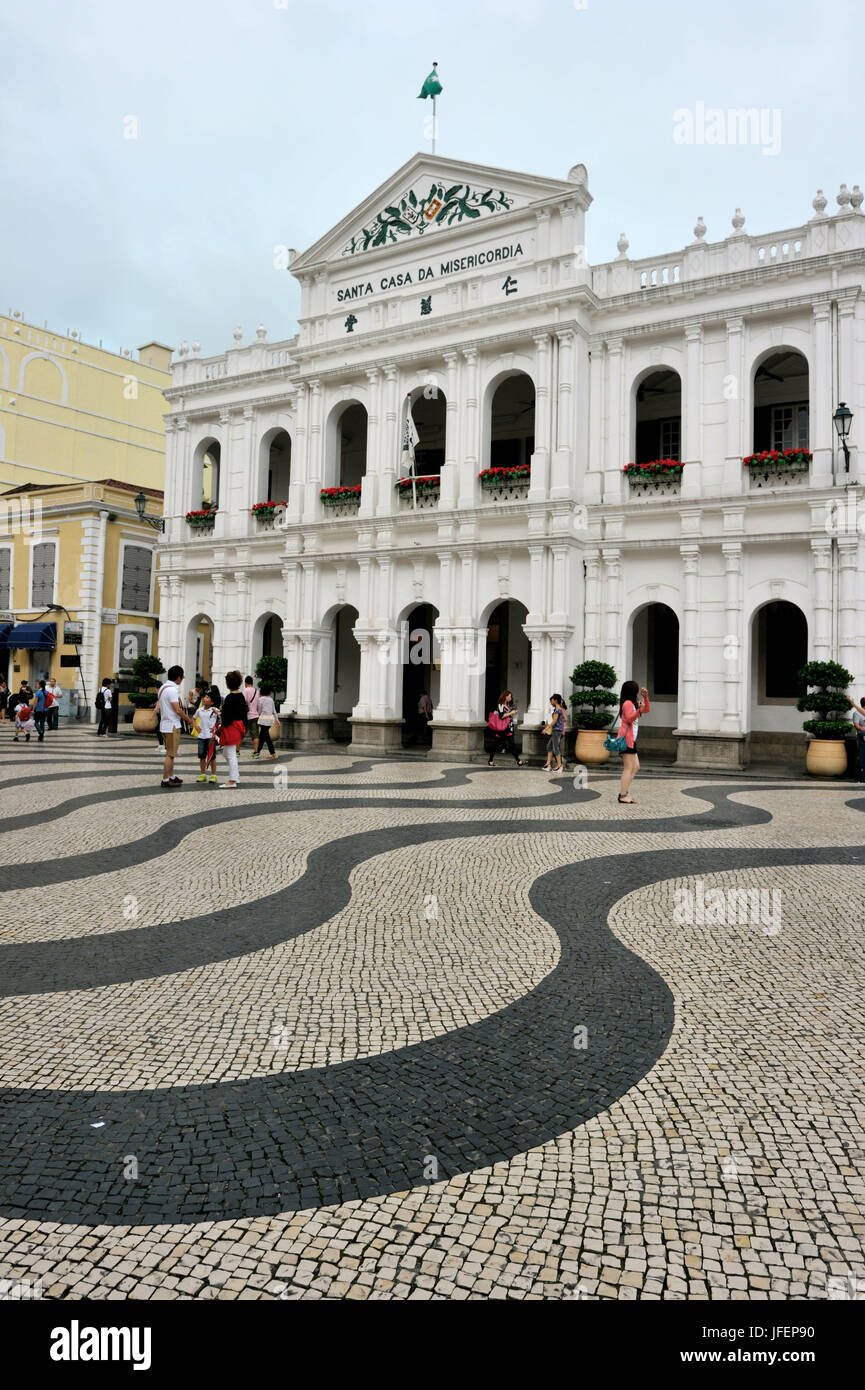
[{"x": 416, "y": 213}]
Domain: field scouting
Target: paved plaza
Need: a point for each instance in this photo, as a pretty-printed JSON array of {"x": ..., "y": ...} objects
[{"x": 409, "y": 1029}]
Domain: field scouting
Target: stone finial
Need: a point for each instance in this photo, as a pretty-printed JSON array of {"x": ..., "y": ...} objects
[
  {"x": 819, "y": 203},
  {"x": 183, "y": 349},
  {"x": 738, "y": 221},
  {"x": 700, "y": 229},
  {"x": 238, "y": 336},
  {"x": 261, "y": 332},
  {"x": 579, "y": 174},
  {"x": 842, "y": 197},
  {"x": 622, "y": 246},
  {"x": 196, "y": 347},
  {"x": 856, "y": 197}
]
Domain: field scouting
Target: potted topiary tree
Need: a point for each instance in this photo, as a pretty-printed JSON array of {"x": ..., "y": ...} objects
[
  {"x": 273, "y": 671},
  {"x": 144, "y": 673},
  {"x": 592, "y": 702},
  {"x": 827, "y": 750}
]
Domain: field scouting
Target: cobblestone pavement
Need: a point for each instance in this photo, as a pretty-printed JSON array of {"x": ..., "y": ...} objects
[{"x": 400, "y": 1029}]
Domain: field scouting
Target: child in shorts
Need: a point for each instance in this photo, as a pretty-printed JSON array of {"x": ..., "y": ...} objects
[
  {"x": 24, "y": 722},
  {"x": 205, "y": 724}
]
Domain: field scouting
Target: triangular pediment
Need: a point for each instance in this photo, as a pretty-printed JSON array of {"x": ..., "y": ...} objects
[{"x": 426, "y": 197}]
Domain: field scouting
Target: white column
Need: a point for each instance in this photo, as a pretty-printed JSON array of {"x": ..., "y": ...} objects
[
  {"x": 692, "y": 424},
  {"x": 537, "y": 584},
  {"x": 223, "y": 652},
  {"x": 470, "y": 442},
  {"x": 596, "y": 434},
  {"x": 821, "y": 406},
  {"x": 222, "y": 521},
  {"x": 315, "y": 463},
  {"x": 613, "y": 653},
  {"x": 299, "y": 453},
  {"x": 847, "y": 384},
  {"x": 616, "y": 422},
  {"x": 734, "y": 390},
  {"x": 540, "y": 482},
  {"x": 848, "y": 645},
  {"x": 732, "y": 653},
  {"x": 388, "y": 442},
  {"x": 372, "y": 480},
  {"x": 690, "y": 635},
  {"x": 450, "y": 472},
  {"x": 821, "y": 588},
  {"x": 562, "y": 474},
  {"x": 592, "y": 642}
]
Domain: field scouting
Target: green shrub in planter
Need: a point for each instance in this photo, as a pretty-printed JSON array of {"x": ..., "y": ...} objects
[
  {"x": 273, "y": 671},
  {"x": 593, "y": 699},
  {"x": 828, "y": 701},
  {"x": 142, "y": 699}
]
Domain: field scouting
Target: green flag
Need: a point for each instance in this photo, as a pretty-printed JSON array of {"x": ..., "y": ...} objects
[{"x": 431, "y": 86}]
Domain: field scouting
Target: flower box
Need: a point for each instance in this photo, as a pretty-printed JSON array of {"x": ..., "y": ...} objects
[
  {"x": 201, "y": 520},
  {"x": 347, "y": 499},
  {"x": 495, "y": 478},
  {"x": 777, "y": 467},
  {"x": 426, "y": 490},
  {"x": 658, "y": 468},
  {"x": 779, "y": 458},
  {"x": 266, "y": 513}
]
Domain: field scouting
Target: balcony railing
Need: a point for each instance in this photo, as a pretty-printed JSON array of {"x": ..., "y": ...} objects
[
  {"x": 420, "y": 493},
  {"x": 505, "y": 484},
  {"x": 654, "y": 479},
  {"x": 341, "y": 501},
  {"x": 773, "y": 468}
]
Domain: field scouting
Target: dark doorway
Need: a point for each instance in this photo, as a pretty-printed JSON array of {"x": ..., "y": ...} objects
[{"x": 418, "y": 673}]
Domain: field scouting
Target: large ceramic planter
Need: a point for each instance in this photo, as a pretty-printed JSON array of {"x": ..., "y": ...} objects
[
  {"x": 144, "y": 721},
  {"x": 826, "y": 757},
  {"x": 589, "y": 748}
]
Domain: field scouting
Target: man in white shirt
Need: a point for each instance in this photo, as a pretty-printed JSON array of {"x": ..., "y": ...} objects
[
  {"x": 171, "y": 717},
  {"x": 859, "y": 725},
  {"x": 53, "y": 708}
]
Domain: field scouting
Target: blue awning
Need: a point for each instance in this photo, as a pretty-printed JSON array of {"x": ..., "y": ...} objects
[
  {"x": 5, "y": 629},
  {"x": 38, "y": 637}
]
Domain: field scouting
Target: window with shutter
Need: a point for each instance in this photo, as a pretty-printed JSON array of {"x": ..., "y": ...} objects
[
  {"x": 135, "y": 583},
  {"x": 5, "y": 578},
  {"x": 42, "y": 585},
  {"x": 132, "y": 644}
]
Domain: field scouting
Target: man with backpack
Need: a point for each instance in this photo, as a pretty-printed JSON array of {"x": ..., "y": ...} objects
[{"x": 104, "y": 700}]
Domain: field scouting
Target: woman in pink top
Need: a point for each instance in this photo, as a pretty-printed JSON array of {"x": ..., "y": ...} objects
[{"x": 633, "y": 701}]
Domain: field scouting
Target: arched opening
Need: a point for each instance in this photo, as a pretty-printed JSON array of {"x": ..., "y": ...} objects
[
  {"x": 508, "y": 656},
  {"x": 779, "y": 650},
  {"x": 512, "y": 422},
  {"x": 198, "y": 651},
  {"x": 351, "y": 430},
  {"x": 346, "y": 671},
  {"x": 421, "y": 666},
  {"x": 429, "y": 412},
  {"x": 655, "y": 664},
  {"x": 205, "y": 475},
  {"x": 275, "y": 467},
  {"x": 781, "y": 402},
  {"x": 658, "y": 417}
]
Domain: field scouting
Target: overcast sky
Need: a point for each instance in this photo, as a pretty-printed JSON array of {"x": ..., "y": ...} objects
[{"x": 263, "y": 122}]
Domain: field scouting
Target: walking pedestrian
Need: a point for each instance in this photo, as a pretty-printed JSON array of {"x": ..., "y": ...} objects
[
  {"x": 633, "y": 701},
  {"x": 252, "y": 710},
  {"x": 56, "y": 693},
  {"x": 40, "y": 710},
  {"x": 4, "y": 699},
  {"x": 171, "y": 717},
  {"x": 103, "y": 704},
  {"x": 24, "y": 722},
  {"x": 235, "y": 712},
  {"x": 502, "y": 723},
  {"x": 266, "y": 721},
  {"x": 555, "y": 727},
  {"x": 424, "y": 717},
  {"x": 859, "y": 725}
]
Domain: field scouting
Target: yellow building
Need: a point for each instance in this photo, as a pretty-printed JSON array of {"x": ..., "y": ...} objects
[
  {"x": 76, "y": 561},
  {"x": 81, "y": 434}
]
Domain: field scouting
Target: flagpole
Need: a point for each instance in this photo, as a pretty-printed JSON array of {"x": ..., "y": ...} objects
[
  {"x": 413, "y": 460},
  {"x": 434, "y": 127}
]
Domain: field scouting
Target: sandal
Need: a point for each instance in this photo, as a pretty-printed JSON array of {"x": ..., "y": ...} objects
[
  {"x": 489, "y": 764},
  {"x": 626, "y": 800}
]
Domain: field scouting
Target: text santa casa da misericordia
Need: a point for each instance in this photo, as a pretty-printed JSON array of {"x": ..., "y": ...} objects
[{"x": 424, "y": 273}]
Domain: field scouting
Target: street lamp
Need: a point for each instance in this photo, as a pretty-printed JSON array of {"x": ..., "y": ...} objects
[
  {"x": 157, "y": 522},
  {"x": 843, "y": 418}
]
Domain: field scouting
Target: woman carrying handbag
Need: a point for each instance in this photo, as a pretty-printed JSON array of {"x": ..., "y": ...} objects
[
  {"x": 633, "y": 701},
  {"x": 501, "y": 726},
  {"x": 234, "y": 723}
]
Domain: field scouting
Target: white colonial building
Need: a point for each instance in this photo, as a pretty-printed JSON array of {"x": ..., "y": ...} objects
[{"x": 463, "y": 294}]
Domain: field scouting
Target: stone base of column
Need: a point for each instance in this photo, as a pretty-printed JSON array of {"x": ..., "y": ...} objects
[
  {"x": 376, "y": 735},
  {"x": 703, "y": 752},
  {"x": 305, "y": 731},
  {"x": 458, "y": 741},
  {"x": 534, "y": 744}
]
